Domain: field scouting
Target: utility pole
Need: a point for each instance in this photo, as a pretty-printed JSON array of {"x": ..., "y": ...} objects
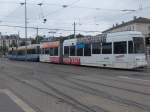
[
  {"x": 18, "y": 39},
  {"x": 26, "y": 32},
  {"x": 140, "y": 5},
  {"x": 37, "y": 34},
  {"x": 74, "y": 25}
]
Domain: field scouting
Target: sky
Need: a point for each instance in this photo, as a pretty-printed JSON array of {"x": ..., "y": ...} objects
[{"x": 88, "y": 15}]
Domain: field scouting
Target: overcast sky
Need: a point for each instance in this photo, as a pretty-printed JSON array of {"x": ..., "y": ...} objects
[{"x": 89, "y": 15}]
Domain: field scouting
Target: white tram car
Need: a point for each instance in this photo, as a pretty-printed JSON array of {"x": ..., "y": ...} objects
[{"x": 123, "y": 50}]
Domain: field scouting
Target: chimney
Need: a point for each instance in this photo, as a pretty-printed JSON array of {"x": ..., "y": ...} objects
[{"x": 113, "y": 25}]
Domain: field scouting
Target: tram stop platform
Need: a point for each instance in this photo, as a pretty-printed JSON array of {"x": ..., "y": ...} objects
[{"x": 11, "y": 103}]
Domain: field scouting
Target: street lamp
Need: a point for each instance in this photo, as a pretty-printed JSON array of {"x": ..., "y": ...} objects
[{"x": 26, "y": 32}]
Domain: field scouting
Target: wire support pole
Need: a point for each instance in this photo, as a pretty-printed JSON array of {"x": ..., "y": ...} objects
[{"x": 26, "y": 31}]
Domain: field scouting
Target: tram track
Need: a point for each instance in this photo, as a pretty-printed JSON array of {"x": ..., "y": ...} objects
[
  {"x": 64, "y": 98},
  {"x": 98, "y": 83},
  {"x": 103, "y": 94},
  {"x": 115, "y": 87},
  {"x": 124, "y": 81},
  {"x": 127, "y": 102}
]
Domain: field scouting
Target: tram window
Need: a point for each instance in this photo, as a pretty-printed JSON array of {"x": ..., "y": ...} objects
[
  {"x": 38, "y": 50},
  {"x": 79, "y": 51},
  {"x": 87, "y": 50},
  {"x": 138, "y": 45},
  {"x": 29, "y": 51},
  {"x": 33, "y": 51},
  {"x": 66, "y": 50},
  {"x": 55, "y": 51},
  {"x": 21, "y": 52},
  {"x": 42, "y": 51},
  {"x": 96, "y": 48},
  {"x": 107, "y": 48},
  {"x": 14, "y": 52},
  {"x": 51, "y": 52},
  {"x": 10, "y": 52},
  {"x": 72, "y": 50},
  {"x": 120, "y": 47},
  {"x": 130, "y": 47},
  {"x": 46, "y": 50}
]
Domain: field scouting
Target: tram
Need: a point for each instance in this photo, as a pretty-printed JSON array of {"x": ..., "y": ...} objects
[
  {"x": 51, "y": 52},
  {"x": 19, "y": 53},
  {"x": 123, "y": 50}
]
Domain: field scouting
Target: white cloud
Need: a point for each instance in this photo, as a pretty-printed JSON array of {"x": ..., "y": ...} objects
[{"x": 82, "y": 12}]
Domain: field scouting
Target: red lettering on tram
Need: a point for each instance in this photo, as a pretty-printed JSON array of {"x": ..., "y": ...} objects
[{"x": 72, "y": 60}]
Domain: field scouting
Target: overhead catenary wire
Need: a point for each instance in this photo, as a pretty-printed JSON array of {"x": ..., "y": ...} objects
[
  {"x": 55, "y": 29},
  {"x": 97, "y": 9},
  {"x": 63, "y": 7}
]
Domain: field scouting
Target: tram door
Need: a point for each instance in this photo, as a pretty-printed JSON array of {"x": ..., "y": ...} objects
[{"x": 120, "y": 54}]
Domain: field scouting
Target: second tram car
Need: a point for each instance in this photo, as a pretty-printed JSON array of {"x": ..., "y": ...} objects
[{"x": 51, "y": 52}]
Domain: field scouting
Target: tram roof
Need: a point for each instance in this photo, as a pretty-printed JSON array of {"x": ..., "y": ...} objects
[{"x": 118, "y": 36}]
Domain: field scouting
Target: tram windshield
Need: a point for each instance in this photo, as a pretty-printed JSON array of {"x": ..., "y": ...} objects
[{"x": 138, "y": 45}]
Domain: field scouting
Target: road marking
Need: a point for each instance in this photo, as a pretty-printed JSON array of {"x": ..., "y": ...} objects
[
  {"x": 125, "y": 77},
  {"x": 25, "y": 107}
]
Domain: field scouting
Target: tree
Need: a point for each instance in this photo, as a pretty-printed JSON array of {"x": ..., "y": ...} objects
[
  {"x": 72, "y": 36},
  {"x": 38, "y": 39},
  {"x": 33, "y": 41},
  {"x": 79, "y": 35},
  {"x": 13, "y": 44}
]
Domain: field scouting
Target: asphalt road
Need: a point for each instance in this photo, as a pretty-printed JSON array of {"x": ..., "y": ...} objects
[{"x": 61, "y": 88}]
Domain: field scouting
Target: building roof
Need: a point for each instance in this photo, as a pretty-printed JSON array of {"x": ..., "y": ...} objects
[{"x": 135, "y": 20}]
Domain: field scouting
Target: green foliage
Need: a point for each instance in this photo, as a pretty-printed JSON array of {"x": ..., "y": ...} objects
[
  {"x": 72, "y": 36},
  {"x": 3, "y": 50},
  {"x": 33, "y": 41},
  {"x": 38, "y": 39},
  {"x": 13, "y": 45}
]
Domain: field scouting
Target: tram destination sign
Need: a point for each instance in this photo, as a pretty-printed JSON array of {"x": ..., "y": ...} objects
[{"x": 92, "y": 39}]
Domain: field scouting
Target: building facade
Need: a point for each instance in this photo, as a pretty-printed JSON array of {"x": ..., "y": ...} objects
[{"x": 13, "y": 40}]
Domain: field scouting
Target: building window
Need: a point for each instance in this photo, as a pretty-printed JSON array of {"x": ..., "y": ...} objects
[
  {"x": 120, "y": 47},
  {"x": 133, "y": 28}
]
